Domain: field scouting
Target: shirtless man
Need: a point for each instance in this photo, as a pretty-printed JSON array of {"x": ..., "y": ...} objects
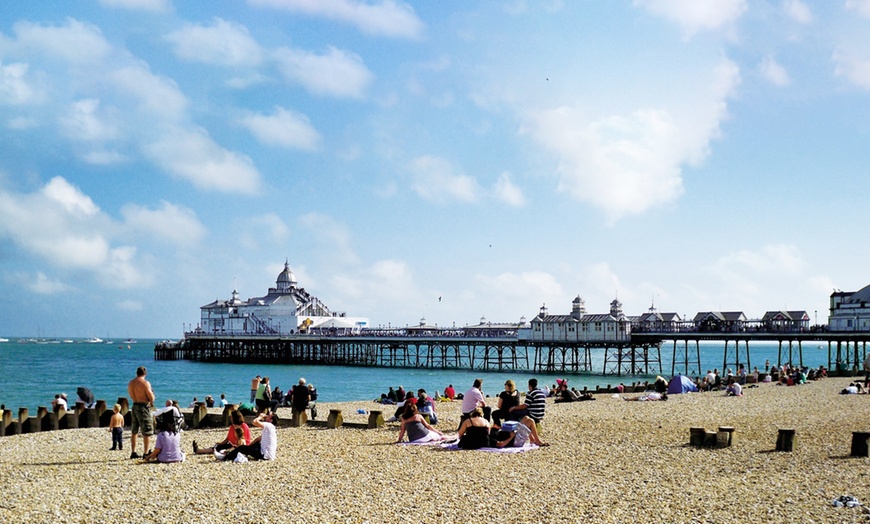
[
  {"x": 255, "y": 384},
  {"x": 140, "y": 392}
]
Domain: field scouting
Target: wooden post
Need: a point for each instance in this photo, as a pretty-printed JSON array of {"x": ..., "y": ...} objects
[
  {"x": 200, "y": 412},
  {"x": 88, "y": 418},
  {"x": 334, "y": 420},
  {"x": 709, "y": 439},
  {"x": 785, "y": 440},
  {"x": 227, "y": 414},
  {"x": 21, "y": 427},
  {"x": 696, "y": 436},
  {"x": 125, "y": 405},
  {"x": 376, "y": 419},
  {"x": 41, "y": 418},
  {"x": 859, "y": 443},
  {"x": 50, "y": 422},
  {"x": 70, "y": 419},
  {"x": 298, "y": 418},
  {"x": 6, "y": 423},
  {"x": 728, "y": 438}
]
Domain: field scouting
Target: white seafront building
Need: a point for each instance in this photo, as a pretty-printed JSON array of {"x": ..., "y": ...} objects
[
  {"x": 286, "y": 309},
  {"x": 850, "y": 310},
  {"x": 580, "y": 326}
]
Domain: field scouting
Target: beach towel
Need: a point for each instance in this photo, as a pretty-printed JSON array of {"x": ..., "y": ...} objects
[{"x": 454, "y": 446}]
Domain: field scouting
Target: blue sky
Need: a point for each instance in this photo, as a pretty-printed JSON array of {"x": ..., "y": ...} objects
[{"x": 701, "y": 154}]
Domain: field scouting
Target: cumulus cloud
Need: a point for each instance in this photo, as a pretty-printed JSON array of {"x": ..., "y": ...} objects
[
  {"x": 175, "y": 224},
  {"x": 335, "y": 73},
  {"x": 139, "y": 5},
  {"x": 856, "y": 70},
  {"x": 773, "y": 72},
  {"x": 84, "y": 122},
  {"x": 192, "y": 155},
  {"x": 222, "y": 43},
  {"x": 625, "y": 164},
  {"x": 383, "y": 18},
  {"x": 283, "y": 128},
  {"x": 44, "y": 285},
  {"x": 696, "y": 15},
  {"x": 76, "y": 43},
  {"x": 797, "y": 11},
  {"x": 264, "y": 230},
  {"x": 151, "y": 94},
  {"x": 64, "y": 227},
  {"x": 15, "y": 89},
  {"x": 507, "y": 192},
  {"x": 862, "y": 7},
  {"x": 436, "y": 180}
]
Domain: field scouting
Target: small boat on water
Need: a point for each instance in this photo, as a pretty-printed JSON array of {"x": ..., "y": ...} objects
[
  {"x": 129, "y": 341},
  {"x": 4, "y": 340},
  {"x": 94, "y": 340}
]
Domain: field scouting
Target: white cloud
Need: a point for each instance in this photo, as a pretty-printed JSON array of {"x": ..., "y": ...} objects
[
  {"x": 436, "y": 180},
  {"x": 336, "y": 73},
  {"x": 194, "y": 156},
  {"x": 43, "y": 285},
  {"x": 14, "y": 86},
  {"x": 151, "y": 94},
  {"x": 861, "y": 6},
  {"x": 797, "y": 11},
  {"x": 526, "y": 288},
  {"x": 627, "y": 164},
  {"x": 696, "y": 15},
  {"x": 139, "y": 5},
  {"x": 222, "y": 43},
  {"x": 175, "y": 224},
  {"x": 265, "y": 230},
  {"x": 76, "y": 42},
  {"x": 507, "y": 192},
  {"x": 331, "y": 234},
  {"x": 856, "y": 70},
  {"x": 104, "y": 158},
  {"x": 384, "y": 18},
  {"x": 283, "y": 128},
  {"x": 773, "y": 72},
  {"x": 69, "y": 197},
  {"x": 84, "y": 122}
]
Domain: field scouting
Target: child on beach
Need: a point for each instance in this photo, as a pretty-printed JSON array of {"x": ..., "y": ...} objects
[{"x": 116, "y": 426}]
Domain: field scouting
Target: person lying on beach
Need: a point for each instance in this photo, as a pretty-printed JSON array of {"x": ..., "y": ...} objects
[
  {"x": 524, "y": 431},
  {"x": 417, "y": 428},
  {"x": 652, "y": 395},
  {"x": 474, "y": 431},
  {"x": 232, "y": 440},
  {"x": 167, "y": 448}
]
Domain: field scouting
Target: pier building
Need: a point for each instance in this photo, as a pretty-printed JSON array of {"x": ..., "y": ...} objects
[
  {"x": 285, "y": 309},
  {"x": 850, "y": 311}
]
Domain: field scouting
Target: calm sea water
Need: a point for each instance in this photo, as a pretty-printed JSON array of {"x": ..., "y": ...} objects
[{"x": 31, "y": 374}]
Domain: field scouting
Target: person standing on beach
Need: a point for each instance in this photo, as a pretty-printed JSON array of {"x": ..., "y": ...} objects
[
  {"x": 116, "y": 426},
  {"x": 142, "y": 396},
  {"x": 255, "y": 384}
]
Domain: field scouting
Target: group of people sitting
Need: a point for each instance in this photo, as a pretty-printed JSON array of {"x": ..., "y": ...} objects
[
  {"x": 424, "y": 404},
  {"x": 238, "y": 441},
  {"x": 302, "y": 396},
  {"x": 514, "y": 422}
]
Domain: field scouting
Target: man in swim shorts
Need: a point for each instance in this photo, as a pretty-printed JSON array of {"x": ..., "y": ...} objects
[{"x": 142, "y": 396}]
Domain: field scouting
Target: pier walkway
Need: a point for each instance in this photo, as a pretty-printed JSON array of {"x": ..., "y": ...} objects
[{"x": 639, "y": 355}]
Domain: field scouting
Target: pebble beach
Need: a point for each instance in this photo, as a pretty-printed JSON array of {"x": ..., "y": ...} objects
[{"x": 608, "y": 461}]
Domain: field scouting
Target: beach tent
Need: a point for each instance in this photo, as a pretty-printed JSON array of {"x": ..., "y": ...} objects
[{"x": 681, "y": 384}]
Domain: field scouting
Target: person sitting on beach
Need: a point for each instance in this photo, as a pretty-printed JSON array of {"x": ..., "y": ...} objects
[
  {"x": 449, "y": 392},
  {"x": 392, "y": 395},
  {"x": 224, "y": 401},
  {"x": 167, "y": 448},
  {"x": 400, "y": 407},
  {"x": 474, "y": 398},
  {"x": 59, "y": 402},
  {"x": 192, "y": 403},
  {"x": 734, "y": 388},
  {"x": 312, "y": 401},
  {"x": 652, "y": 395},
  {"x": 661, "y": 384},
  {"x": 534, "y": 405},
  {"x": 264, "y": 447},
  {"x": 237, "y": 423},
  {"x": 209, "y": 401},
  {"x": 419, "y": 431},
  {"x": 426, "y": 406},
  {"x": 507, "y": 399},
  {"x": 474, "y": 431},
  {"x": 299, "y": 396},
  {"x": 524, "y": 431}
]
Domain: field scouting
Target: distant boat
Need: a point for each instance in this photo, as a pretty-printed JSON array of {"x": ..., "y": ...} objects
[
  {"x": 4, "y": 340},
  {"x": 129, "y": 341},
  {"x": 94, "y": 340},
  {"x": 67, "y": 341}
]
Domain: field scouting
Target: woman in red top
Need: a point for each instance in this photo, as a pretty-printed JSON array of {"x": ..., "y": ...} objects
[{"x": 238, "y": 422}]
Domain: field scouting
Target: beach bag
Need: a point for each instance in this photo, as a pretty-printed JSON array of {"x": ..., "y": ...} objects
[{"x": 509, "y": 425}]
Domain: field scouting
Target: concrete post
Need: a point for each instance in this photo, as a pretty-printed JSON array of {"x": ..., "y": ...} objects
[
  {"x": 41, "y": 418},
  {"x": 785, "y": 440},
  {"x": 6, "y": 423},
  {"x": 200, "y": 412},
  {"x": 21, "y": 427},
  {"x": 860, "y": 444}
]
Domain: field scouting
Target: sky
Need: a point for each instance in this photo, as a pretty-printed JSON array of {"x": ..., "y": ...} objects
[{"x": 447, "y": 161}]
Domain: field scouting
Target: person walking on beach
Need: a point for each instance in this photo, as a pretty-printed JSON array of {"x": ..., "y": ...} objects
[
  {"x": 255, "y": 384},
  {"x": 142, "y": 395}
]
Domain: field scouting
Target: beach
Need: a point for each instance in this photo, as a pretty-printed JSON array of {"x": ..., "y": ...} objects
[{"x": 608, "y": 461}]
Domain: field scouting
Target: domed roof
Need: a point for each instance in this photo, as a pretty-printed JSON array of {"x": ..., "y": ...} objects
[{"x": 286, "y": 278}]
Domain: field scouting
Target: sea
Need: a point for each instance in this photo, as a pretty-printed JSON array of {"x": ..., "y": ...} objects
[{"x": 31, "y": 373}]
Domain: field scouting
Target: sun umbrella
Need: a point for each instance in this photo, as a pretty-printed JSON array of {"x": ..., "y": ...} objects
[{"x": 85, "y": 395}]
